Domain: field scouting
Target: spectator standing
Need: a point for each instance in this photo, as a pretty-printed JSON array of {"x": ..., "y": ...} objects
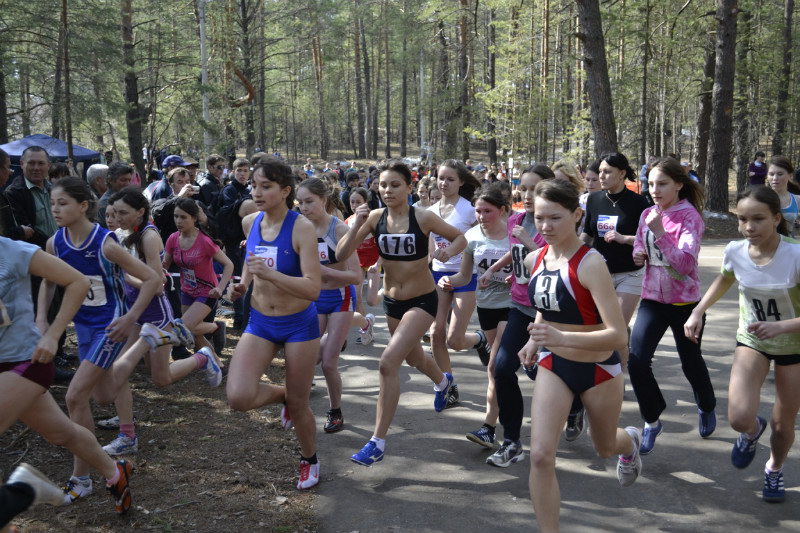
[
  {"x": 119, "y": 176},
  {"x": 757, "y": 171},
  {"x": 8, "y": 224},
  {"x": 211, "y": 184},
  {"x": 96, "y": 178}
]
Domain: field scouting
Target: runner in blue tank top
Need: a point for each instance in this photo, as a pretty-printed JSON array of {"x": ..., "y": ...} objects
[
  {"x": 102, "y": 323},
  {"x": 283, "y": 265}
]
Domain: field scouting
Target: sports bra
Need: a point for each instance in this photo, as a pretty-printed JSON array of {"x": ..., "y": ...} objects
[
  {"x": 558, "y": 294},
  {"x": 278, "y": 254},
  {"x": 791, "y": 212},
  {"x": 408, "y": 246},
  {"x": 326, "y": 245}
]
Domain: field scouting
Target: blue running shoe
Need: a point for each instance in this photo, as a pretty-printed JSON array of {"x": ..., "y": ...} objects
[
  {"x": 649, "y": 438},
  {"x": 744, "y": 450},
  {"x": 368, "y": 455},
  {"x": 440, "y": 400},
  {"x": 773, "y": 487},
  {"x": 707, "y": 423}
]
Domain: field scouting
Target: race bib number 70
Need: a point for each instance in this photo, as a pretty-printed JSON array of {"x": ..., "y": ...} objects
[{"x": 269, "y": 254}]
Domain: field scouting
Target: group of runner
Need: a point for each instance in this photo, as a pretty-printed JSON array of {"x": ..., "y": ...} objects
[{"x": 577, "y": 267}]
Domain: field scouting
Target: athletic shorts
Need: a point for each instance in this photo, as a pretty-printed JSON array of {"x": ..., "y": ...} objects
[
  {"x": 469, "y": 287},
  {"x": 95, "y": 346},
  {"x": 628, "y": 282},
  {"x": 40, "y": 373},
  {"x": 188, "y": 300},
  {"x": 780, "y": 360},
  {"x": 490, "y": 318},
  {"x": 340, "y": 300},
  {"x": 158, "y": 312},
  {"x": 579, "y": 376},
  {"x": 298, "y": 327},
  {"x": 397, "y": 308}
]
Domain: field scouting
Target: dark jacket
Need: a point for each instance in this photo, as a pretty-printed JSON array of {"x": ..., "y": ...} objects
[
  {"x": 23, "y": 207},
  {"x": 228, "y": 220},
  {"x": 8, "y": 224},
  {"x": 374, "y": 200},
  {"x": 209, "y": 190}
]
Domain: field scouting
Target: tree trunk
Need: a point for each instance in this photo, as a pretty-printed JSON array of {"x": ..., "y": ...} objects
[
  {"x": 362, "y": 149},
  {"x": 404, "y": 95},
  {"x": 644, "y": 103},
  {"x": 491, "y": 113},
  {"x": 388, "y": 87},
  {"x": 464, "y": 75},
  {"x": 246, "y": 13},
  {"x": 449, "y": 116},
  {"x": 316, "y": 49},
  {"x": 3, "y": 103},
  {"x": 133, "y": 114},
  {"x": 597, "y": 82},
  {"x": 367, "y": 88},
  {"x": 781, "y": 110},
  {"x": 719, "y": 146},
  {"x": 55, "y": 113},
  {"x": 742, "y": 118},
  {"x": 704, "y": 114},
  {"x": 67, "y": 100}
]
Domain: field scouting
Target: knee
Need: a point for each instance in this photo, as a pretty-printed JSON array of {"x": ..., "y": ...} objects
[
  {"x": 456, "y": 344},
  {"x": 636, "y": 363},
  {"x": 330, "y": 365},
  {"x": 161, "y": 381},
  {"x": 104, "y": 397},
  {"x": 439, "y": 331},
  {"x": 74, "y": 400},
  {"x": 543, "y": 458},
  {"x": 605, "y": 450},
  {"x": 740, "y": 420},
  {"x": 782, "y": 428},
  {"x": 238, "y": 400},
  {"x": 389, "y": 370}
]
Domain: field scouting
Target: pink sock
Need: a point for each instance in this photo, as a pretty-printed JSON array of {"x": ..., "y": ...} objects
[
  {"x": 112, "y": 480},
  {"x": 201, "y": 359},
  {"x": 128, "y": 429}
]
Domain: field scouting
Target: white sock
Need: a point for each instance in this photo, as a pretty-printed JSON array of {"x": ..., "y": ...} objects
[
  {"x": 380, "y": 443},
  {"x": 441, "y": 386},
  {"x": 653, "y": 425}
]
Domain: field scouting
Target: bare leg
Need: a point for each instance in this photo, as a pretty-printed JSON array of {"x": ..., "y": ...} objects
[
  {"x": 748, "y": 373},
  {"x": 784, "y": 413},
  {"x": 300, "y": 362},
  {"x": 439, "y": 333},
  {"x": 338, "y": 325},
  {"x": 244, "y": 389},
  {"x": 492, "y": 409},
  {"x": 463, "y": 308},
  {"x": 79, "y": 394}
]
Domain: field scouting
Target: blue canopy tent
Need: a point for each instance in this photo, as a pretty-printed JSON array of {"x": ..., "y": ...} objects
[{"x": 55, "y": 147}]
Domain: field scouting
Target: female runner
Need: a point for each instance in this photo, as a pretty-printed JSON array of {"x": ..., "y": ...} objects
[
  {"x": 458, "y": 186},
  {"x": 779, "y": 174},
  {"x": 26, "y": 360},
  {"x": 103, "y": 321},
  {"x": 668, "y": 242},
  {"x": 283, "y": 263},
  {"x": 410, "y": 299},
  {"x": 579, "y": 318},
  {"x": 486, "y": 244},
  {"x": 523, "y": 239},
  {"x": 337, "y": 299},
  {"x": 766, "y": 264},
  {"x": 370, "y": 262}
]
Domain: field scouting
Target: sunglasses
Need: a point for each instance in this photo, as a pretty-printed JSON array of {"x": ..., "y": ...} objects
[{"x": 220, "y": 167}]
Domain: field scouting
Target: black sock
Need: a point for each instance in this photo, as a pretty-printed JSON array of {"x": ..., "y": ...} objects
[
  {"x": 490, "y": 428},
  {"x": 336, "y": 411},
  {"x": 310, "y": 460}
]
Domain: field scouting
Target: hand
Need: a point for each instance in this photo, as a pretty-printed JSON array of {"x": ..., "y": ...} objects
[
  {"x": 441, "y": 254},
  {"x": 361, "y": 214},
  {"x": 528, "y": 354},
  {"x": 654, "y": 222},
  {"x": 45, "y": 350},
  {"x": 613, "y": 236},
  {"x": 215, "y": 293},
  {"x": 751, "y": 174},
  {"x": 639, "y": 257},
  {"x": 374, "y": 268},
  {"x": 187, "y": 191},
  {"x": 545, "y": 335},
  {"x": 258, "y": 267},
  {"x": 693, "y": 328},
  {"x": 484, "y": 279},
  {"x": 236, "y": 291},
  {"x": 765, "y": 330},
  {"x": 120, "y": 328},
  {"x": 519, "y": 233},
  {"x": 509, "y": 280},
  {"x": 444, "y": 284},
  {"x": 28, "y": 231}
]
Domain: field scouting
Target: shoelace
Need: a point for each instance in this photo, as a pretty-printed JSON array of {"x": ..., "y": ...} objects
[
  {"x": 305, "y": 471},
  {"x": 774, "y": 480}
]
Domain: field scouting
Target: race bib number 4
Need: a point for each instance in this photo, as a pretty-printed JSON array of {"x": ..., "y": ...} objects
[
  {"x": 606, "y": 223},
  {"x": 397, "y": 244},
  {"x": 97, "y": 292},
  {"x": 545, "y": 293},
  {"x": 269, "y": 254},
  {"x": 518, "y": 253},
  {"x": 486, "y": 257},
  {"x": 767, "y": 305}
]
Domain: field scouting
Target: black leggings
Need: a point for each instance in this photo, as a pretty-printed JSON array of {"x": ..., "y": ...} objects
[
  {"x": 652, "y": 321},
  {"x": 14, "y": 499},
  {"x": 506, "y": 365}
]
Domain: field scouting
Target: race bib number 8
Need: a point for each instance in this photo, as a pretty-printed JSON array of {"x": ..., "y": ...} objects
[
  {"x": 397, "y": 244},
  {"x": 269, "y": 254},
  {"x": 767, "y": 305},
  {"x": 97, "y": 292},
  {"x": 606, "y": 223},
  {"x": 545, "y": 293},
  {"x": 518, "y": 253}
]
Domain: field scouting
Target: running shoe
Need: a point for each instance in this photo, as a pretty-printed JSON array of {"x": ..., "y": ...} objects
[
  {"x": 309, "y": 475},
  {"x": 629, "y": 467},
  {"x": 157, "y": 337},
  {"x": 122, "y": 445},
  {"x": 120, "y": 490},
  {"x": 649, "y": 438},
  {"x": 452, "y": 396},
  {"x": 509, "y": 453},
  {"x": 75, "y": 489},
  {"x": 707, "y": 423},
  {"x": 182, "y": 332},
  {"x": 211, "y": 368},
  {"x": 110, "y": 423},
  {"x": 576, "y": 425},
  {"x": 367, "y": 335},
  {"x": 368, "y": 455},
  {"x": 335, "y": 421},
  {"x": 744, "y": 450},
  {"x": 440, "y": 400},
  {"x": 44, "y": 490},
  {"x": 482, "y": 347},
  {"x": 483, "y": 436},
  {"x": 286, "y": 420},
  {"x": 773, "y": 487},
  {"x": 218, "y": 338}
]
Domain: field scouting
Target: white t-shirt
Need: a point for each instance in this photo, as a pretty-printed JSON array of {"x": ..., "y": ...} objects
[
  {"x": 462, "y": 218},
  {"x": 486, "y": 252}
]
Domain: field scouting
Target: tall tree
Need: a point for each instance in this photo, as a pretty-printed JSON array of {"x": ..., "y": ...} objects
[
  {"x": 742, "y": 110},
  {"x": 719, "y": 146},
  {"x": 782, "y": 110},
  {"x": 704, "y": 113},
  {"x": 133, "y": 113},
  {"x": 360, "y": 104}
]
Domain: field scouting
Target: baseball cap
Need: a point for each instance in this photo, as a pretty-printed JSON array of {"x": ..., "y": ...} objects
[{"x": 173, "y": 161}]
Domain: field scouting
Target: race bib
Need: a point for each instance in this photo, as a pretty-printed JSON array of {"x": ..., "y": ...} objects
[
  {"x": 397, "y": 244},
  {"x": 269, "y": 254},
  {"x": 440, "y": 242},
  {"x": 518, "y": 254},
  {"x": 767, "y": 305},
  {"x": 97, "y": 292},
  {"x": 5, "y": 319},
  {"x": 189, "y": 278},
  {"x": 606, "y": 223},
  {"x": 545, "y": 293},
  {"x": 654, "y": 254},
  {"x": 485, "y": 257},
  {"x": 322, "y": 249}
]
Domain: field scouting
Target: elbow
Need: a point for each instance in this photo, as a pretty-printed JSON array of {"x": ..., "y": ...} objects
[{"x": 620, "y": 340}]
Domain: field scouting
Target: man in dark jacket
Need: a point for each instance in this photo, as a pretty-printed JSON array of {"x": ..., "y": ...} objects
[
  {"x": 8, "y": 224},
  {"x": 211, "y": 183},
  {"x": 29, "y": 196}
]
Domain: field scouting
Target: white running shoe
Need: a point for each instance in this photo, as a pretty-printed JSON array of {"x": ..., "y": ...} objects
[
  {"x": 367, "y": 336},
  {"x": 44, "y": 490},
  {"x": 75, "y": 489},
  {"x": 157, "y": 337},
  {"x": 629, "y": 467},
  {"x": 212, "y": 369},
  {"x": 122, "y": 445},
  {"x": 309, "y": 475}
]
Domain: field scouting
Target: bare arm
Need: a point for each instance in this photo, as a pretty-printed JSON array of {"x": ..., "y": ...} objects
[
  {"x": 363, "y": 224},
  {"x": 694, "y": 325},
  {"x": 46, "y": 290}
]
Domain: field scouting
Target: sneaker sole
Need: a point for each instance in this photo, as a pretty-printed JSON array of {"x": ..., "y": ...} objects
[
  {"x": 356, "y": 461},
  {"x": 510, "y": 462},
  {"x": 476, "y": 440},
  {"x": 333, "y": 430},
  {"x": 122, "y": 505},
  {"x": 774, "y": 499}
]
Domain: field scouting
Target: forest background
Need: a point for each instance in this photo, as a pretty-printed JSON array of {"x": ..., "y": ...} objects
[{"x": 532, "y": 80}]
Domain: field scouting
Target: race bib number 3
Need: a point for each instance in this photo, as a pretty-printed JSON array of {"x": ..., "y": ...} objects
[
  {"x": 518, "y": 253},
  {"x": 397, "y": 244},
  {"x": 269, "y": 254},
  {"x": 97, "y": 292},
  {"x": 545, "y": 293},
  {"x": 606, "y": 223}
]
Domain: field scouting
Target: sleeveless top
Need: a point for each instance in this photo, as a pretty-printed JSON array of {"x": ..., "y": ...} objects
[
  {"x": 326, "y": 245},
  {"x": 408, "y": 246},
  {"x": 790, "y": 213},
  {"x": 105, "y": 300},
  {"x": 131, "y": 292},
  {"x": 558, "y": 294},
  {"x": 278, "y": 254}
]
